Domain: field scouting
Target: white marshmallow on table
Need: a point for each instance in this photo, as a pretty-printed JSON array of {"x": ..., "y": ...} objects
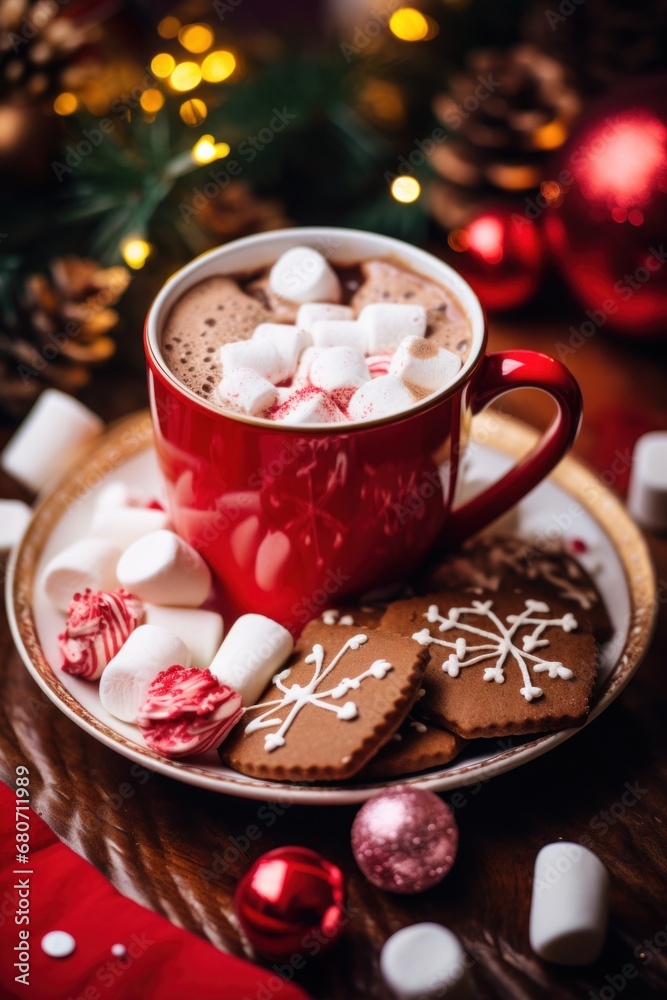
[
  {"x": 647, "y": 495},
  {"x": 381, "y": 397},
  {"x": 124, "y": 525},
  {"x": 426, "y": 960},
  {"x": 422, "y": 363},
  {"x": 244, "y": 390},
  {"x": 311, "y": 312},
  {"x": 339, "y": 368},
  {"x": 147, "y": 652},
  {"x": 303, "y": 275},
  {"x": 201, "y": 631},
  {"x": 289, "y": 341},
  {"x": 163, "y": 569},
  {"x": 568, "y": 913},
  {"x": 387, "y": 323},
  {"x": 258, "y": 354},
  {"x": 253, "y": 651},
  {"x": 315, "y": 408},
  {"x": 88, "y": 563},
  {"x": 57, "y": 427},
  {"x": 340, "y": 333},
  {"x": 14, "y": 518}
]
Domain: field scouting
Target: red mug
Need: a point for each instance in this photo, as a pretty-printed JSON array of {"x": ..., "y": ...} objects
[{"x": 293, "y": 520}]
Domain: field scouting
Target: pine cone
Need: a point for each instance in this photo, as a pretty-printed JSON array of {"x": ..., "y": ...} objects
[
  {"x": 36, "y": 46},
  {"x": 238, "y": 211},
  {"x": 55, "y": 328},
  {"x": 602, "y": 42},
  {"x": 503, "y": 116}
]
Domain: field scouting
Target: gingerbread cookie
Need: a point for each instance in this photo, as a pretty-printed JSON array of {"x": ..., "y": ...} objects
[
  {"x": 506, "y": 563},
  {"x": 361, "y": 615},
  {"x": 501, "y": 664},
  {"x": 416, "y": 746},
  {"x": 343, "y": 694}
]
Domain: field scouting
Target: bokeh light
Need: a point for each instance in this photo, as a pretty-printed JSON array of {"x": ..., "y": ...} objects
[
  {"x": 186, "y": 76},
  {"x": 409, "y": 24},
  {"x": 196, "y": 38},
  {"x": 169, "y": 27},
  {"x": 217, "y": 66},
  {"x": 487, "y": 237},
  {"x": 405, "y": 189},
  {"x": 135, "y": 252},
  {"x": 193, "y": 112},
  {"x": 151, "y": 100},
  {"x": 206, "y": 150},
  {"x": 65, "y": 104},
  {"x": 162, "y": 65}
]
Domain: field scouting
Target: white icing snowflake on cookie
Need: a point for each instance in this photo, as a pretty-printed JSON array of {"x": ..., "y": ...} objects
[
  {"x": 296, "y": 697},
  {"x": 501, "y": 643}
]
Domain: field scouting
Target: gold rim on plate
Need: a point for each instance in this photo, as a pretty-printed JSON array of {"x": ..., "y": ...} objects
[{"x": 134, "y": 434}]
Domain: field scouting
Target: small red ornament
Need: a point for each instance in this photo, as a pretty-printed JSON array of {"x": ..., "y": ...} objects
[
  {"x": 501, "y": 254},
  {"x": 291, "y": 901},
  {"x": 607, "y": 227}
]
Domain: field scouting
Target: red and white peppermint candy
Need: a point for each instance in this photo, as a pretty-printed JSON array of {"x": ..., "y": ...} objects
[
  {"x": 187, "y": 711},
  {"x": 378, "y": 364},
  {"x": 98, "y": 624}
]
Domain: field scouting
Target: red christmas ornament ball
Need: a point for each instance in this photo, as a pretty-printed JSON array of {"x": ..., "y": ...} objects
[
  {"x": 501, "y": 255},
  {"x": 607, "y": 226},
  {"x": 289, "y": 900}
]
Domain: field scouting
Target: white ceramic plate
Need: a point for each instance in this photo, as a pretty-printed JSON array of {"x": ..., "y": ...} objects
[{"x": 571, "y": 503}]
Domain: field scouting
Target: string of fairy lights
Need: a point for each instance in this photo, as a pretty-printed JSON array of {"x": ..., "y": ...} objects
[{"x": 197, "y": 62}]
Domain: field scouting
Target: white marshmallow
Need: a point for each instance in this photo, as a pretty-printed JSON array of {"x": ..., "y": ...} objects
[
  {"x": 425, "y": 960},
  {"x": 303, "y": 275},
  {"x": 113, "y": 495},
  {"x": 244, "y": 390},
  {"x": 90, "y": 562},
  {"x": 148, "y": 651},
  {"x": 201, "y": 631},
  {"x": 315, "y": 408},
  {"x": 568, "y": 913},
  {"x": 421, "y": 363},
  {"x": 52, "y": 434},
  {"x": 311, "y": 312},
  {"x": 340, "y": 333},
  {"x": 14, "y": 518},
  {"x": 288, "y": 340},
  {"x": 254, "y": 650},
  {"x": 381, "y": 397},
  {"x": 339, "y": 368},
  {"x": 260, "y": 355},
  {"x": 302, "y": 374},
  {"x": 387, "y": 323},
  {"x": 124, "y": 525},
  {"x": 163, "y": 569},
  {"x": 647, "y": 496}
]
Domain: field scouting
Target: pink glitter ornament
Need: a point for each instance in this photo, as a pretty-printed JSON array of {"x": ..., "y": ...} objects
[{"x": 405, "y": 840}]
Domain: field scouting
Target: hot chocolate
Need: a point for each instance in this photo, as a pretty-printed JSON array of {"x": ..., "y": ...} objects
[{"x": 317, "y": 342}]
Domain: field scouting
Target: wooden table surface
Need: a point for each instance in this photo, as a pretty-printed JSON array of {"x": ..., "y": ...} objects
[{"x": 180, "y": 850}]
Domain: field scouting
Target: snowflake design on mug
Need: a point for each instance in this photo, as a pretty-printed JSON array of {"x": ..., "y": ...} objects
[
  {"x": 296, "y": 696},
  {"x": 501, "y": 642}
]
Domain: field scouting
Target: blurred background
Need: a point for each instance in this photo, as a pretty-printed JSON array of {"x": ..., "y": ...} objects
[{"x": 524, "y": 141}]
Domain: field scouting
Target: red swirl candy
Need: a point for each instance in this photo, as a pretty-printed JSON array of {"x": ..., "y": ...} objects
[
  {"x": 187, "y": 711},
  {"x": 97, "y": 625}
]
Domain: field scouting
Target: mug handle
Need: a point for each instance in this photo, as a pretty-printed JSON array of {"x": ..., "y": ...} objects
[{"x": 499, "y": 373}]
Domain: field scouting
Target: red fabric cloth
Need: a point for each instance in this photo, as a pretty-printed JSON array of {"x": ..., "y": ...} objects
[{"x": 67, "y": 893}]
